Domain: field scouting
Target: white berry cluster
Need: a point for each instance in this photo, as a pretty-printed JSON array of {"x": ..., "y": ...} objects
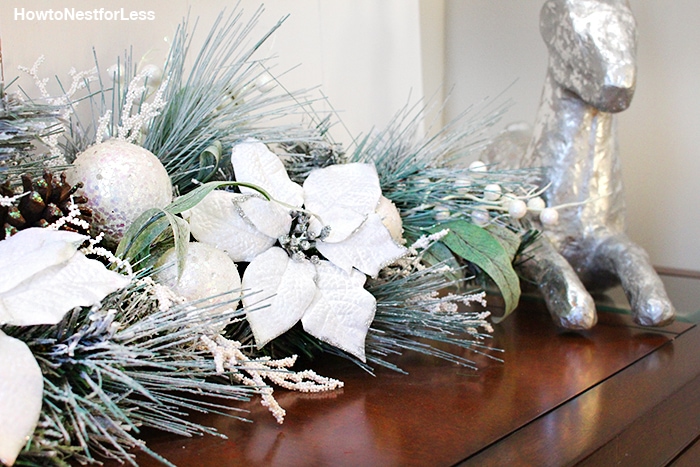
[{"x": 516, "y": 206}]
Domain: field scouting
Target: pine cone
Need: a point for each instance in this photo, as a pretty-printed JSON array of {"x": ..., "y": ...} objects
[{"x": 46, "y": 201}]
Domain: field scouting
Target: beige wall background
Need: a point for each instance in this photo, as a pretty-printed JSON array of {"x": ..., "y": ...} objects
[
  {"x": 369, "y": 56},
  {"x": 363, "y": 54}
]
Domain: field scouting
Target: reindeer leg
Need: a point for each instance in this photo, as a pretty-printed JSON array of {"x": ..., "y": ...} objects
[
  {"x": 645, "y": 291},
  {"x": 567, "y": 299}
]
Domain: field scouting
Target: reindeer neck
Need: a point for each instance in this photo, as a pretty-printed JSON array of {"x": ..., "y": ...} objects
[{"x": 576, "y": 143}]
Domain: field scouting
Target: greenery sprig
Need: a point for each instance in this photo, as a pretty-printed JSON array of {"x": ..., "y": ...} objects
[{"x": 115, "y": 369}]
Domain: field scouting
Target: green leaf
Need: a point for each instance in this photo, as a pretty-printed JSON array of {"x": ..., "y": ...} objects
[
  {"x": 190, "y": 200},
  {"x": 209, "y": 161},
  {"x": 140, "y": 247},
  {"x": 135, "y": 230},
  {"x": 143, "y": 232},
  {"x": 181, "y": 233},
  {"x": 486, "y": 251},
  {"x": 509, "y": 239}
]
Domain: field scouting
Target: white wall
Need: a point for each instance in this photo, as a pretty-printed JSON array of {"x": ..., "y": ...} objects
[
  {"x": 489, "y": 44},
  {"x": 369, "y": 55},
  {"x": 660, "y": 137}
]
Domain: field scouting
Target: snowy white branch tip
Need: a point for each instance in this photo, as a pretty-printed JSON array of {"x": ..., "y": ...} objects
[
  {"x": 67, "y": 101},
  {"x": 43, "y": 276},
  {"x": 228, "y": 357}
]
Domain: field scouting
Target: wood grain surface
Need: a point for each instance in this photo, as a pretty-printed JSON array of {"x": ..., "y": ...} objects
[{"x": 619, "y": 394}]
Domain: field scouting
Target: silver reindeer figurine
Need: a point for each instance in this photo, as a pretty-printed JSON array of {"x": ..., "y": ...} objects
[{"x": 591, "y": 76}]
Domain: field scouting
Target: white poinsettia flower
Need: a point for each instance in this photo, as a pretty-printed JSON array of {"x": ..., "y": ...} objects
[
  {"x": 43, "y": 276},
  {"x": 342, "y": 195},
  {"x": 245, "y": 224},
  {"x": 346, "y": 197},
  {"x": 332, "y": 305},
  {"x": 342, "y": 310},
  {"x": 335, "y": 213},
  {"x": 21, "y": 396}
]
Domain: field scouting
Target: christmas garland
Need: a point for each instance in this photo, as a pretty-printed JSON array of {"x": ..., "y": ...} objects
[{"x": 180, "y": 245}]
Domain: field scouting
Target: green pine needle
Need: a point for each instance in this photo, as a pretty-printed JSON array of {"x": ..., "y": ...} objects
[
  {"x": 418, "y": 173},
  {"x": 111, "y": 371},
  {"x": 218, "y": 100},
  {"x": 22, "y": 127}
]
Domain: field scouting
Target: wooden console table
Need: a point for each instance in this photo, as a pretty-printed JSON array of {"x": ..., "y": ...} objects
[{"x": 619, "y": 394}]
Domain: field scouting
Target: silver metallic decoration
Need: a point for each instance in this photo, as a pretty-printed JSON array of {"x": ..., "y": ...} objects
[{"x": 591, "y": 76}]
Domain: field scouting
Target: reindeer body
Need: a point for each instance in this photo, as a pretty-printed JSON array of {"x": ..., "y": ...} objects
[
  {"x": 591, "y": 76},
  {"x": 575, "y": 144}
]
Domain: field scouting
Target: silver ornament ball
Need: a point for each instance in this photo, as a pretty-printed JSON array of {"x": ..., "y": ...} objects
[
  {"x": 208, "y": 272},
  {"x": 120, "y": 180}
]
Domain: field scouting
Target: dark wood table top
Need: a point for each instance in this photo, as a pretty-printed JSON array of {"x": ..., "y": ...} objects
[{"x": 619, "y": 394}]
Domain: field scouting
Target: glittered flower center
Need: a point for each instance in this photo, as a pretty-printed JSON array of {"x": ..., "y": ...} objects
[{"x": 300, "y": 243}]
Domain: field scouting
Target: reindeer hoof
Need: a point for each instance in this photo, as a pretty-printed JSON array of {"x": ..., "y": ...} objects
[
  {"x": 655, "y": 311},
  {"x": 578, "y": 313},
  {"x": 568, "y": 301}
]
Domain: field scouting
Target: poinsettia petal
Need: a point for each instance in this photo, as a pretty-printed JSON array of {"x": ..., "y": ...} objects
[
  {"x": 268, "y": 217},
  {"x": 32, "y": 250},
  {"x": 370, "y": 249},
  {"x": 342, "y": 310},
  {"x": 254, "y": 163},
  {"x": 286, "y": 288},
  {"x": 48, "y": 295},
  {"x": 342, "y": 223},
  {"x": 217, "y": 221},
  {"x": 342, "y": 195},
  {"x": 21, "y": 395}
]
